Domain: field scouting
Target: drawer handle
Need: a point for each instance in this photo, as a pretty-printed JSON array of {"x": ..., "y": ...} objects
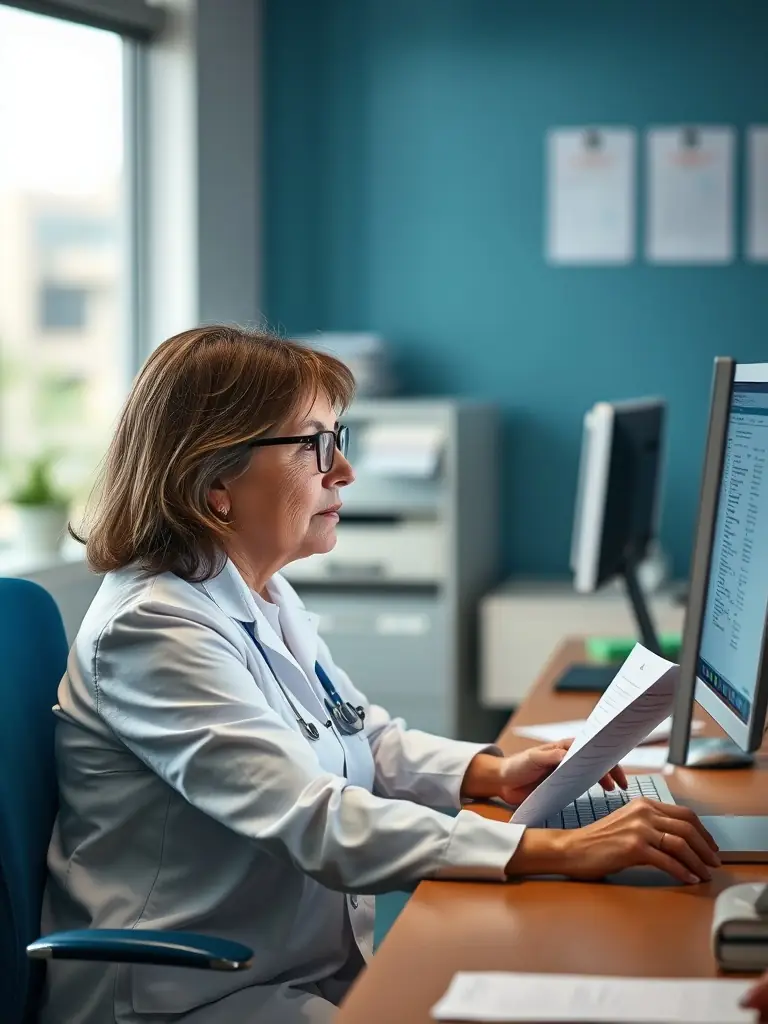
[{"x": 357, "y": 570}]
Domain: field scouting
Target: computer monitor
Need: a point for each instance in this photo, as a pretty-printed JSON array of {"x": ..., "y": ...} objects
[
  {"x": 617, "y": 513},
  {"x": 724, "y": 663}
]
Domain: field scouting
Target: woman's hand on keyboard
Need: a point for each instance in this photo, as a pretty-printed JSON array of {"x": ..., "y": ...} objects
[{"x": 642, "y": 833}]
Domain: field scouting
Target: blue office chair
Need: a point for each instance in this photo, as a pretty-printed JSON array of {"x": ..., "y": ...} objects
[{"x": 33, "y": 656}]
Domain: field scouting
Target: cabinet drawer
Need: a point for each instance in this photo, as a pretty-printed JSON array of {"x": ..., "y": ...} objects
[{"x": 389, "y": 645}]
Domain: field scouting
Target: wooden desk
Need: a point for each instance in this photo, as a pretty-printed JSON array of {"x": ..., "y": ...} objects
[{"x": 550, "y": 926}]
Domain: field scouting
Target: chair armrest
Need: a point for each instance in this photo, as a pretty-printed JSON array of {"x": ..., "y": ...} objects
[{"x": 177, "y": 949}]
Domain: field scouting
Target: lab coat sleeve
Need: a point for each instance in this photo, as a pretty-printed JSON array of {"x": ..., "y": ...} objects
[
  {"x": 410, "y": 764},
  {"x": 177, "y": 692}
]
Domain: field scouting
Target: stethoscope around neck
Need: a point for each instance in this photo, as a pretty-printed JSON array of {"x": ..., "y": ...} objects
[{"x": 348, "y": 720}]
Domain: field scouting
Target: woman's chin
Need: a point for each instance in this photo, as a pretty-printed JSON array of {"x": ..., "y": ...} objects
[{"x": 319, "y": 541}]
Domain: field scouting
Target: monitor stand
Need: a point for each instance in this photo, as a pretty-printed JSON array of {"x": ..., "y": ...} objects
[
  {"x": 716, "y": 752},
  {"x": 590, "y": 678}
]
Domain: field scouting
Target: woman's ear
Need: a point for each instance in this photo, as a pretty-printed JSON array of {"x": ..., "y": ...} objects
[{"x": 219, "y": 499}]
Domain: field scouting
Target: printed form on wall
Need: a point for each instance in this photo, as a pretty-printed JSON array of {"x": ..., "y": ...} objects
[
  {"x": 690, "y": 208},
  {"x": 757, "y": 193},
  {"x": 591, "y": 195}
]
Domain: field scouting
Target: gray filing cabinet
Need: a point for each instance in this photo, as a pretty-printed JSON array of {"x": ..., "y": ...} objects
[
  {"x": 393, "y": 646},
  {"x": 417, "y": 548}
]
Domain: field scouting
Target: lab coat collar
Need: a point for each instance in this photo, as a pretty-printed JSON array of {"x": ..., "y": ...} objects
[
  {"x": 230, "y": 592},
  {"x": 233, "y": 596},
  {"x": 299, "y": 625}
]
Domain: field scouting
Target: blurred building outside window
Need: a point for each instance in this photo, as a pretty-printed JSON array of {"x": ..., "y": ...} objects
[{"x": 65, "y": 282}]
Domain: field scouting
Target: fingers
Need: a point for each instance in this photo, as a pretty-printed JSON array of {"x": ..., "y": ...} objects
[
  {"x": 607, "y": 783},
  {"x": 547, "y": 757},
  {"x": 616, "y": 775},
  {"x": 677, "y": 835},
  {"x": 757, "y": 997},
  {"x": 561, "y": 745},
  {"x": 686, "y": 831},
  {"x": 664, "y": 862},
  {"x": 685, "y": 814},
  {"x": 678, "y": 847}
]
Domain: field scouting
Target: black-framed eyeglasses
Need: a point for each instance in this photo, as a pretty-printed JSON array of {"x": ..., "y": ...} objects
[{"x": 325, "y": 441}]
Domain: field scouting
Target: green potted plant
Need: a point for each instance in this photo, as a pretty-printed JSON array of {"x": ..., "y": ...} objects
[{"x": 40, "y": 509}]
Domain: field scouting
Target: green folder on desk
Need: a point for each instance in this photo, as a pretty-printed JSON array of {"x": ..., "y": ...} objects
[
  {"x": 606, "y": 656},
  {"x": 602, "y": 649}
]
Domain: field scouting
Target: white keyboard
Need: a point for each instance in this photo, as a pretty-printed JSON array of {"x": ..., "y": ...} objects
[{"x": 598, "y": 802}]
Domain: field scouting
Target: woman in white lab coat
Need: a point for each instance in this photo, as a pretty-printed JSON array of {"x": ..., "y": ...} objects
[{"x": 218, "y": 771}]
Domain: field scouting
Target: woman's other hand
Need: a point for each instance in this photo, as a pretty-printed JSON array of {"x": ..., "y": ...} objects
[
  {"x": 757, "y": 998},
  {"x": 513, "y": 778},
  {"x": 523, "y": 772}
]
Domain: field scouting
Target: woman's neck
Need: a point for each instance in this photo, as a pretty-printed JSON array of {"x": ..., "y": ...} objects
[{"x": 256, "y": 579}]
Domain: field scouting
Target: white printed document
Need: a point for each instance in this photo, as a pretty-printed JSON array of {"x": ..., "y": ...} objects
[
  {"x": 639, "y": 698},
  {"x": 757, "y": 193},
  {"x": 493, "y": 996},
  {"x": 401, "y": 449},
  {"x": 690, "y": 205},
  {"x": 647, "y": 759},
  {"x": 591, "y": 195}
]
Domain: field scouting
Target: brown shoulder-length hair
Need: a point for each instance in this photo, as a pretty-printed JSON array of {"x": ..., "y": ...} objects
[{"x": 198, "y": 399}]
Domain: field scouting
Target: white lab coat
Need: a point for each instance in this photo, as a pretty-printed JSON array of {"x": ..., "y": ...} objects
[{"x": 191, "y": 800}]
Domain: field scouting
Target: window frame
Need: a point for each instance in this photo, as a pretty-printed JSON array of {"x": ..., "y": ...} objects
[
  {"x": 137, "y": 23},
  {"x": 132, "y": 19},
  {"x": 135, "y": 205}
]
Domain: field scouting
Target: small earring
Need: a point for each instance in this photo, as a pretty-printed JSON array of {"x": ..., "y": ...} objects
[{"x": 223, "y": 512}]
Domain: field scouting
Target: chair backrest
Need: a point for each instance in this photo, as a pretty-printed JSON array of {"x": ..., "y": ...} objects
[{"x": 33, "y": 657}]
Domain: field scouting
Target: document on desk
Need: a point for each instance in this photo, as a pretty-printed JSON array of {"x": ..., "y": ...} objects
[
  {"x": 649, "y": 759},
  {"x": 551, "y": 732},
  {"x": 493, "y": 996},
  {"x": 639, "y": 698}
]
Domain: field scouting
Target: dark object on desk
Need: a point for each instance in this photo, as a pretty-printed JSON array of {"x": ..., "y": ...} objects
[
  {"x": 587, "y": 678},
  {"x": 643, "y": 878}
]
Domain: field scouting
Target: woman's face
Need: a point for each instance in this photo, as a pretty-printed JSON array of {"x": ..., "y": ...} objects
[{"x": 283, "y": 508}]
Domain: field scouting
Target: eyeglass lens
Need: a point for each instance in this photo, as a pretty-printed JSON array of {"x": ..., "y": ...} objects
[{"x": 328, "y": 440}]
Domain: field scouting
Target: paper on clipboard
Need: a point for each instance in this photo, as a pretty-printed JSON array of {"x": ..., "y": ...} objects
[
  {"x": 690, "y": 195},
  {"x": 591, "y": 195},
  {"x": 401, "y": 449},
  {"x": 757, "y": 193},
  {"x": 639, "y": 698}
]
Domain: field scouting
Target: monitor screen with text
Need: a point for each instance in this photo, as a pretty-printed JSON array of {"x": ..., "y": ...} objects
[{"x": 737, "y": 594}]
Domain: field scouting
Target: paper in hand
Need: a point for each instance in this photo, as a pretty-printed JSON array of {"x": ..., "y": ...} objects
[{"x": 639, "y": 698}]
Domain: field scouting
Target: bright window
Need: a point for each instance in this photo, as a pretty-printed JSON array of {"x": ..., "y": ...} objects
[{"x": 65, "y": 282}]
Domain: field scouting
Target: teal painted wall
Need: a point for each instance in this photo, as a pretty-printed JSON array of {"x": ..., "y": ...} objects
[{"x": 404, "y": 176}]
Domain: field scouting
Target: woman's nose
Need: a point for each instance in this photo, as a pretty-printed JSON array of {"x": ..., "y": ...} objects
[{"x": 341, "y": 471}]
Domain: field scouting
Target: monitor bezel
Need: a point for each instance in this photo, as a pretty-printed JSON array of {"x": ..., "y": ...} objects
[
  {"x": 748, "y": 736},
  {"x": 593, "y": 484},
  {"x": 594, "y": 466}
]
